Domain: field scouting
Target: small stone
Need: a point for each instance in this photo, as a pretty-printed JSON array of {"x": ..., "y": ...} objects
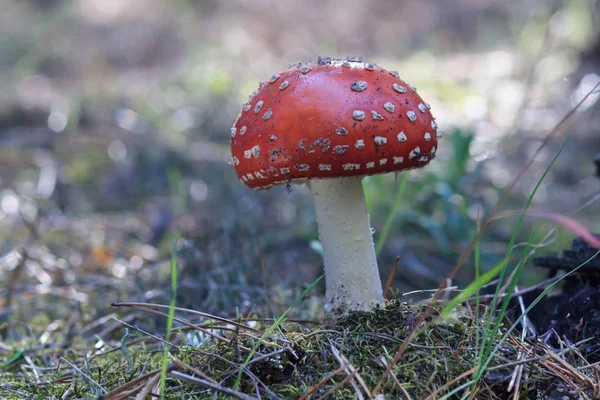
[
  {"x": 358, "y": 86},
  {"x": 389, "y": 107},
  {"x": 380, "y": 140},
  {"x": 273, "y": 78},
  {"x": 358, "y": 115},
  {"x": 323, "y": 60},
  {"x": 398, "y": 88},
  {"x": 354, "y": 59},
  {"x": 276, "y": 152},
  {"x": 350, "y": 167},
  {"x": 340, "y": 149},
  {"x": 376, "y": 116},
  {"x": 316, "y": 144},
  {"x": 414, "y": 153},
  {"x": 341, "y": 131},
  {"x": 302, "y": 144},
  {"x": 268, "y": 114}
]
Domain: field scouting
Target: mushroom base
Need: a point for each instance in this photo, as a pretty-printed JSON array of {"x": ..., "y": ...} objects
[{"x": 351, "y": 273}]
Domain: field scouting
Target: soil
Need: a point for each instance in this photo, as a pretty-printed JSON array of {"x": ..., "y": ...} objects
[{"x": 574, "y": 314}]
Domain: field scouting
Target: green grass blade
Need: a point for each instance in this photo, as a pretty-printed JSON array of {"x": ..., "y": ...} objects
[
  {"x": 490, "y": 333},
  {"x": 500, "y": 267},
  {"x": 450, "y": 395},
  {"x": 493, "y": 320},
  {"x": 513, "y": 283},
  {"x": 477, "y": 261},
  {"x": 473, "y": 287},
  {"x": 165, "y": 357},
  {"x": 533, "y": 304},
  {"x": 387, "y": 226}
]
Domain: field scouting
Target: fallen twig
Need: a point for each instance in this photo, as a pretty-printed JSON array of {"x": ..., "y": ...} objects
[{"x": 211, "y": 385}]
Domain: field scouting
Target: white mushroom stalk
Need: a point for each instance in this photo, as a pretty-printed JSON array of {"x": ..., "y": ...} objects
[{"x": 351, "y": 272}]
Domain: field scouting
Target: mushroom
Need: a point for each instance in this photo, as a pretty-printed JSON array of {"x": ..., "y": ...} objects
[{"x": 329, "y": 124}]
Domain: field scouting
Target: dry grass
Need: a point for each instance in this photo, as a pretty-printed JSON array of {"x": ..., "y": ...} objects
[{"x": 336, "y": 359}]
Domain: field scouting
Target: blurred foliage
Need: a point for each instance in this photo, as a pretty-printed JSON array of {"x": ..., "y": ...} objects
[
  {"x": 115, "y": 116},
  {"x": 440, "y": 204}
]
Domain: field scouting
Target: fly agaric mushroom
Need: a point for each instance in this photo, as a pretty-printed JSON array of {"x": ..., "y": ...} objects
[{"x": 329, "y": 124}]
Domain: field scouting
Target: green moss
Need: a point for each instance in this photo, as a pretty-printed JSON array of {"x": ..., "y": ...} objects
[
  {"x": 287, "y": 364},
  {"x": 366, "y": 340}
]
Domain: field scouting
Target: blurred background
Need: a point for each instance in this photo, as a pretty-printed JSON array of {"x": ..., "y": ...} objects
[{"x": 114, "y": 135}]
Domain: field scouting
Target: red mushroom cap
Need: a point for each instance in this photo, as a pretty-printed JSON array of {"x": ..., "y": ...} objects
[{"x": 335, "y": 118}]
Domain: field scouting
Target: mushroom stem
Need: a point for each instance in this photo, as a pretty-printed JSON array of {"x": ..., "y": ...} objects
[{"x": 351, "y": 273}]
